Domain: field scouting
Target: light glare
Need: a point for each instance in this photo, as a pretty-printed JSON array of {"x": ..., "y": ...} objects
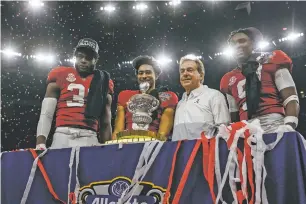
[
  {"x": 36, "y": 3},
  {"x": 108, "y": 8},
  {"x": 140, "y": 6},
  {"x": 263, "y": 44},
  {"x": 44, "y": 58},
  {"x": 228, "y": 52},
  {"x": 10, "y": 52},
  {"x": 163, "y": 60}
]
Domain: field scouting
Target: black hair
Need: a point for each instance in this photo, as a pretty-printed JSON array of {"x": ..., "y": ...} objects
[
  {"x": 141, "y": 60},
  {"x": 253, "y": 33}
]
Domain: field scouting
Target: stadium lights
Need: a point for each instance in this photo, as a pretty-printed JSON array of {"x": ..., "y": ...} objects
[
  {"x": 173, "y": 3},
  {"x": 10, "y": 53},
  {"x": 127, "y": 62},
  {"x": 43, "y": 58},
  {"x": 228, "y": 52},
  {"x": 36, "y": 3},
  {"x": 140, "y": 7},
  {"x": 263, "y": 44},
  {"x": 163, "y": 60},
  {"x": 291, "y": 37},
  {"x": 108, "y": 8},
  {"x": 72, "y": 60}
]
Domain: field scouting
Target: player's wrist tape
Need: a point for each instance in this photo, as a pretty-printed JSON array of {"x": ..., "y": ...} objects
[
  {"x": 46, "y": 116},
  {"x": 41, "y": 146},
  {"x": 291, "y": 98},
  {"x": 291, "y": 119}
]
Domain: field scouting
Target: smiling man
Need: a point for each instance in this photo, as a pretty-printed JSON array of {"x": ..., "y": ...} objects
[
  {"x": 261, "y": 86},
  {"x": 201, "y": 108},
  {"x": 147, "y": 70},
  {"x": 81, "y": 98}
]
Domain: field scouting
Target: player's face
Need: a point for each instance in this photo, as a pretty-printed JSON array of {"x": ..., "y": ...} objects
[
  {"x": 85, "y": 62},
  {"x": 242, "y": 46},
  {"x": 146, "y": 74},
  {"x": 190, "y": 77}
]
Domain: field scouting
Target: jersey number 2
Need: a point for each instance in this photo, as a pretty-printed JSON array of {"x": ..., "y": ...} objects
[
  {"x": 241, "y": 93},
  {"x": 78, "y": 100}
]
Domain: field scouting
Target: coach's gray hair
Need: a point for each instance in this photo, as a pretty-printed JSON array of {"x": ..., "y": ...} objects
[{"x": 200, "y": 65}]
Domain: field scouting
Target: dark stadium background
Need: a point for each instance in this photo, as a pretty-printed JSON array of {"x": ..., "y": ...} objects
[{"x": 200, "y": 28}]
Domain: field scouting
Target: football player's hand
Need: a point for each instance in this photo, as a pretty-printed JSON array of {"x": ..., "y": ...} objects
[
  {"x": 285, "y": 128},
  {"x": 41, "y": 147},
  {"x": 41, "y": 143}
]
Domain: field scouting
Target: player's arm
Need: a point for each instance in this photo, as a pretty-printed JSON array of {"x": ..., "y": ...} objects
[
  {"x": 220, "y": 110},
  {"x": 286, "y": 86},
  {"x": 46, "y": 115},
  {"x": 167, "y": 117},
  {"x": 233, "y": 108},
  {"x": 105, "y": 122},
  {"x": 119, "y": 121},
  {"x": 166, "y": 123}
]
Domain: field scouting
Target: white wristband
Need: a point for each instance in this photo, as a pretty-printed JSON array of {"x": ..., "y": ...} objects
[
  {"x": 291, "y": 98},
  {"x": 291, "y": 119},
  {"x": 46, "y": 116},
  {"x": 41, "y": 146}
]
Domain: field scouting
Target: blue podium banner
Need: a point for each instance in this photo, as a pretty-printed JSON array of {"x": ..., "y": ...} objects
[{"x": 103, "y": 173}]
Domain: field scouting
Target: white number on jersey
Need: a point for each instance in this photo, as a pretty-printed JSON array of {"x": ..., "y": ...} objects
[
  {"x": 241, "y": 93},
  {"x": 78, "y": 100}
]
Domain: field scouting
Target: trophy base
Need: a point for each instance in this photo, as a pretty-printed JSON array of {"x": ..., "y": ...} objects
[{"x": 135, "y": 136}]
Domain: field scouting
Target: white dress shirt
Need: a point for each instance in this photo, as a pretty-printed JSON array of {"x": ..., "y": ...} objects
[{"x": 202, "y": 110}]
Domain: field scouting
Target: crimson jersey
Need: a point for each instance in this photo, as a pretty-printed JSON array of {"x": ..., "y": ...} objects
[
  {"x": 168, "y": 100},
  {"x": 72, "y": 101},
  {"x": 233, "y": 83}
]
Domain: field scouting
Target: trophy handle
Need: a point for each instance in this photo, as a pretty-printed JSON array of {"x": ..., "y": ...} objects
[{"x": 127, "y": 105}]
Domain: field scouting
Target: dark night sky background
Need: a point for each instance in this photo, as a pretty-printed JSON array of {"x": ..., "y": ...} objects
[{"x": 200, "y": 28}]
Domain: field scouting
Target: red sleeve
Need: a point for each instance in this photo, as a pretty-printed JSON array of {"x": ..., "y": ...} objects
[
  {"x": 54, "y": 75},
  {"x": 168, "y": 99},
  {"x": 280, "y": 60},
  {"x": 224, "y": 84},
  {"x": 111, "y": 87},
  {"x": 123, "y": 97}
]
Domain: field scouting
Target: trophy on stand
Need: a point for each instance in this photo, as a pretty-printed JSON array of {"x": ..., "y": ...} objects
[{"x": 141, "y": 106}]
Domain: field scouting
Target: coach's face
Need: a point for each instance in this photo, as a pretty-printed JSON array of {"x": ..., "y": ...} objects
[
  {"x": 190, "y": 77},
  {"x": 242, "y": 46},
  {"x": 146, "y": 74},
  {"x": 85, "y": 61}
]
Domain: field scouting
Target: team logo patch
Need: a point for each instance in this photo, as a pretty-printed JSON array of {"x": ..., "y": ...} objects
[
  {"x": 232, "y": 80},
  {"x": 71, "y": 77},
  {"x": 164, "y": 96},
  {"x": 117, "y": 186}
]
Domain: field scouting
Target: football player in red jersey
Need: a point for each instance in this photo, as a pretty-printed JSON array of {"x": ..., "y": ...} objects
[
  {"x": 261, "y": 86},
  {"x": 75, "y": 94},
  {"x": 147, "y": 70}
]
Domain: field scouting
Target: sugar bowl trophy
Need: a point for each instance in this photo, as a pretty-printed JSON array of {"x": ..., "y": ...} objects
[{"x": 141, "y": 106}]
